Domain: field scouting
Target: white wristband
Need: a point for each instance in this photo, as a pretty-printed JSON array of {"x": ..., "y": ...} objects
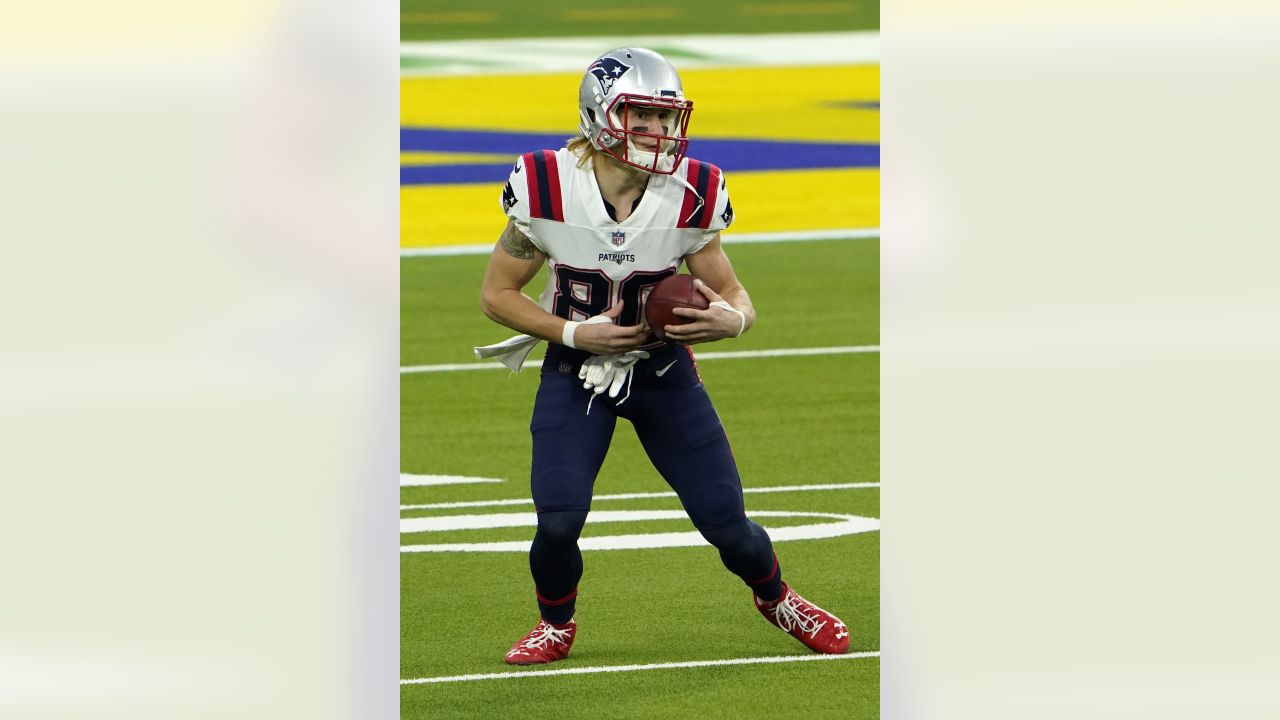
[
  {"x": 566, "y": 338},
  {"x": 742, "y": 317}
]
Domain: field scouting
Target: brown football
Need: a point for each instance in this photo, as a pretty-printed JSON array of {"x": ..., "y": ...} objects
[{"x": 676, "y": 291}]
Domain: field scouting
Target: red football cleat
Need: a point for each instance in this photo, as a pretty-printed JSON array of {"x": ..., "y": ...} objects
[
  {"x": 818, "y": 629},
  {"x": 545, "y": 643}
]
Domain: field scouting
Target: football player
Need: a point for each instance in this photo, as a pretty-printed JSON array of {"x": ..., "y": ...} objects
[{"x": 609, "y": 216}]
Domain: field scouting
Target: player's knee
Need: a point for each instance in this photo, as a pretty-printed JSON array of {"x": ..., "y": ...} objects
[
  {"x": 744, "y": 547},
  {"x": 743, "y": 537},
  {"x": 561, "y": 527},
  {"x": 728, "y": 536}
]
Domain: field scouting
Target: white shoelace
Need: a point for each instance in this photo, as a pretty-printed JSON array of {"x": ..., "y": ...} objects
[
  {"x": 790, "y": 616},
  {"x": 542, "y": 635}
]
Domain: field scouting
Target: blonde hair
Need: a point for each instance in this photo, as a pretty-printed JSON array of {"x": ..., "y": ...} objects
[{"x": 583, "y": 148}]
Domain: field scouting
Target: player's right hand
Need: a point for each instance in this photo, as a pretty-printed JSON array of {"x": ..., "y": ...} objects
[{"x": 604, "y": 338}]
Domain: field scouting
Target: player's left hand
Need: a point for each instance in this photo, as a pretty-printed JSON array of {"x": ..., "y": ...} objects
[{"x": 717, "y": 322}]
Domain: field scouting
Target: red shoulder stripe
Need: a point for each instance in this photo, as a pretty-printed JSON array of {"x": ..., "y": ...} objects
[
  {"x": 531, "y": 177},
  {"x": 690, "y": 204},
  {"x": 544, "y": 185},
  {"x": 713, "y": 189},
  {"x": 553, "y": 175}
]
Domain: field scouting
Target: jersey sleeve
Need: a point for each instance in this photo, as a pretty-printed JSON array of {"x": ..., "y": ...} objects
[
  {"x": 533, "y": 191},
  {"x": 722, "y": 213},
  {"x": 709, "y": 208},
  {"x": 515, "y": 197}
]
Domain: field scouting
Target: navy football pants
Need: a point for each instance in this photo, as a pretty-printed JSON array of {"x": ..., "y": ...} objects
[{"x": 676, "y": 423}]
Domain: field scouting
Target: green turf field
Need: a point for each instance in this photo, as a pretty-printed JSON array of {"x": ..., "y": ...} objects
[
  {"x": 458, "y": 19},
  {"x": 793, "y": 421}
]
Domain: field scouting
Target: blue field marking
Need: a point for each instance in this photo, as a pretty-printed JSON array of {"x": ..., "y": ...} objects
[
  {"x": 453, "y": 174},
  {"x": 730, "y": 155}
]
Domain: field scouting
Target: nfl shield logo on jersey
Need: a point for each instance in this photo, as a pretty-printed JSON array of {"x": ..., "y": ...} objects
[{"x": 619, "y": 237}]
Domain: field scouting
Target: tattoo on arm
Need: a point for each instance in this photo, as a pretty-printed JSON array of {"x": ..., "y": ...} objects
[{"x": 517, "y": 244}]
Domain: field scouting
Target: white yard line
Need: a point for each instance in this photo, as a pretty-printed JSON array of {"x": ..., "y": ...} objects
[
  {"x": 634, "y": 668},
  {"x": 433, "y": 480},
  {"x": 728, "y": 239},
  {"x": 788, "y": 352},
  {"x": 457, "y": 367},
  {"x": 802, "y": 236},
  {"x": 732, "y": 355},
  {"x": 833, "y": 525},
  {"x": 644, "y": 496},
  {"x": 804, "y": 488}
]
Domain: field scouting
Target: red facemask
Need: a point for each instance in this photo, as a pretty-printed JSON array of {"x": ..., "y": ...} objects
[{"x": 660, "y": 143}]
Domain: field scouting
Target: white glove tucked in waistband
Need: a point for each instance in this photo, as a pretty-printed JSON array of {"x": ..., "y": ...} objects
[{"x": 609, "y": 372}]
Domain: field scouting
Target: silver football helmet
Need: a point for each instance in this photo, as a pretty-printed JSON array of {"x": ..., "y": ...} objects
[{"x": 631, "y": 106}]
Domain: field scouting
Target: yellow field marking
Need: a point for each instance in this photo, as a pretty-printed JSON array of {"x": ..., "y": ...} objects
[
  {"x": 628, "y": 13},
  {"x": 450, "y": 158},
  {"x": 441, "y": 215},
  {"x": 436, "y": 215},
  {"x": 794, "y": 103},
  {"x": 827, "y": 8},
  {"x": 804, "y": 199},
  {"x": 485, "y": 102},
  {"x": 459, "y": 17}
]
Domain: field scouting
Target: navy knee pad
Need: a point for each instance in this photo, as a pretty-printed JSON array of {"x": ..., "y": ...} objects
[{"x": 561, "y": 527}]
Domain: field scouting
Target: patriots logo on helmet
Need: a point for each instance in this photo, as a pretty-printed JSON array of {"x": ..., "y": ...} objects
[
  {"x": 607, "y": 70},
  {"x": 619, "y": 238}
]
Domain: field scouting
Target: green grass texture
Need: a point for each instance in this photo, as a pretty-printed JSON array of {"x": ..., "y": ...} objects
[{"x": 460, "y": 19}]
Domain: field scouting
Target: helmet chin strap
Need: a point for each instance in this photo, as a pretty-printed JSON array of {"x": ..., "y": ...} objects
[
  {"x": 645, "y": 158},
  {"x": 665, "y": 163},
  {"x": 701, "y": 200}
]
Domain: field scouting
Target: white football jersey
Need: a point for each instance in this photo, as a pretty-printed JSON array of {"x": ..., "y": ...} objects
[{"x": 595, "y": 262}]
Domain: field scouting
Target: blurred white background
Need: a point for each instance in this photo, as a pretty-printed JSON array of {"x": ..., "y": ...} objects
[
  {"x": 1081, "y": 344},
  {"x": 198, "y": 396}
]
